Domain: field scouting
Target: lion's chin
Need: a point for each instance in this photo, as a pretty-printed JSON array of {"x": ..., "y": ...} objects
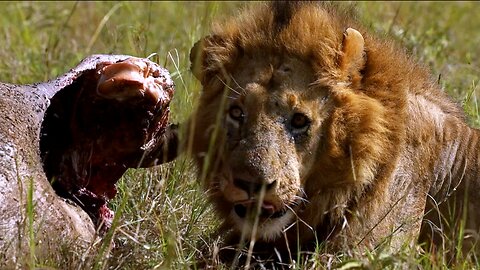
[{"x": 267, "y": 229}]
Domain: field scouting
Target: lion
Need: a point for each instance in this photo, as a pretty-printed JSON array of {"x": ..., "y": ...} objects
[{"x": 309, "y": 129}]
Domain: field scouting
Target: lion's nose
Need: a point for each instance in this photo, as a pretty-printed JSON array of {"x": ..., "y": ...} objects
[
  {"x": 252, "y": 187},
  {"x": 240, "y": 210}
]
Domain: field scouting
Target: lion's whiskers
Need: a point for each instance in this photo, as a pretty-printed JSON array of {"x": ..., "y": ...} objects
[
  {"x": 298, "y": 218},
  {"x": 230, "y": 88},
  {"x": 238, "y": 85},
  {"x": 299, "y": 199}
]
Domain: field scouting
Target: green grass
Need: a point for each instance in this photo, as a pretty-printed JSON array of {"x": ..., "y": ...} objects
[{"x": 162, "y": 214}]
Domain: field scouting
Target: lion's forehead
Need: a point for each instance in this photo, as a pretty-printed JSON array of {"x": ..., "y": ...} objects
[
  {"x": 274, "y": 72},
  {"x": 274, "y": 84}
]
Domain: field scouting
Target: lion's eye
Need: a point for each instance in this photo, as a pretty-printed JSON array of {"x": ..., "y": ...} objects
[
  {"x": 236, "y": 113},
  {"x": 300, "y": 121}
]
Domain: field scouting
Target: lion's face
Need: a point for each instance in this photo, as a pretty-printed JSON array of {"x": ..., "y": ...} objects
[
  {"x": 283, "y": 132},
  {"x": 270, "y": 131},
  {"x": 271, "y": 122}
]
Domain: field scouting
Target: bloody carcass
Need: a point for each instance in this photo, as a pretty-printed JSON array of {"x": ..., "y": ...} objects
[{"x": 78, "y": 133}]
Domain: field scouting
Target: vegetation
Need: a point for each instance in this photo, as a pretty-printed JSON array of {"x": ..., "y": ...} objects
[{"x": 162, "y": 214}]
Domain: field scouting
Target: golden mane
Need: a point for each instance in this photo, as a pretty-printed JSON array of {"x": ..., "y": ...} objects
[{"x": 374, "y": 114}]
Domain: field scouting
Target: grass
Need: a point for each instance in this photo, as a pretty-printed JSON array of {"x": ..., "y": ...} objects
[{"x": 162, "y": 214}]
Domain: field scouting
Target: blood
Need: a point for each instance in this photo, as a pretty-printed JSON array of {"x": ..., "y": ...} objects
[{"x": 108, "y": 120}]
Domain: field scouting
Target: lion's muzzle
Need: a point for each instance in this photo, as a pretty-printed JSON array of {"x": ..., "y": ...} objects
[{"x": 265, "y": 211}]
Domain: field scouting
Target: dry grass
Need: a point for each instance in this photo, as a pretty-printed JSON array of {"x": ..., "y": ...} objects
[{"x": 162, "y": 212}]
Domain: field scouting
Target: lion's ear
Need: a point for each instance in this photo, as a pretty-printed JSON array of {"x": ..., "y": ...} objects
[
  {"x": 197, "y": 59},
  {"x": 353, "y": 58},
  {"x": 200, "y": 58}
]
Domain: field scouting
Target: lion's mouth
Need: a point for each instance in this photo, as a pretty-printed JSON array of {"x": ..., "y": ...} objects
[
  {"x": 266, "y": 211},
  {"x": 266, "y": 220}
]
